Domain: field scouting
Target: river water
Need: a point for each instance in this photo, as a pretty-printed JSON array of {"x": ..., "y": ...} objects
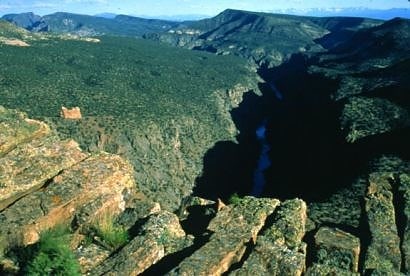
[{"x": 264, "y": 161}]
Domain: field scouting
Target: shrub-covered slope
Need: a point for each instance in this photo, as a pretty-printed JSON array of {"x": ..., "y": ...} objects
[{"x": 161, "y": 107}]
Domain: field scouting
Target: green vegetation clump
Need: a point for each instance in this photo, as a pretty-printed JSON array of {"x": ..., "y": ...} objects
[
  {"x": 112, "y": 235},
  {"x": 234, "y": 199},
  {"x": 50, "y": 256}
]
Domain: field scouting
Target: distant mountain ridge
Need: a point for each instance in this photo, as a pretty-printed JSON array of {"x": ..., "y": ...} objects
[
  {"x": 353, "y": 12},
  {"x": 86, "y": 25},
  {"x": 263, "y": 38}
]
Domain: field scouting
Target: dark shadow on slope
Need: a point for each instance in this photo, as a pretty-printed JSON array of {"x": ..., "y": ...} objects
[
  {"x": 309, "y": 155},
  {"x": 166, "y": 264},
  {"x": 229, "y": 166}
]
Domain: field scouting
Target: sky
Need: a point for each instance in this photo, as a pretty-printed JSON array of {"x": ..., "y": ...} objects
[{"x": 182, "y": 7}]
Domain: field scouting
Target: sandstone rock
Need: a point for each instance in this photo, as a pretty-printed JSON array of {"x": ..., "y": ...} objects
[
  {"x": 16, "y": 128},
  {"x": 16, "y": 42},
  {"x": 233, "y": 228},
  {"x": 91, "y": 256},
  {"x": 404, "y": 189},
  {"x": 161, "y": 235},
  {"x": 338, "y": 249},
  {"x": 384, "y": 250},
  {"x": 97, "y": 185},
  {"x": 70, "y": 113},
  {"x": 280, "y": 250},
  {"x": 28, "y": 167}
]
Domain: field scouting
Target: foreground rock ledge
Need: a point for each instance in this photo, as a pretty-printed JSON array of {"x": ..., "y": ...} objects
[
  {"x": 234, "y": 227},
  {"x": 45, "y": 182}
]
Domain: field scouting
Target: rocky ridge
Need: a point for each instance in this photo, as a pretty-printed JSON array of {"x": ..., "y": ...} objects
[{"x": 263, "y": 236}]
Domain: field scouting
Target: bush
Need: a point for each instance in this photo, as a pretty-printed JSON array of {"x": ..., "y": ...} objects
[
  {"x": 50, "y": 256},
  {"x": 112, "y": 235},
  {"x": 234, "y": 199}
]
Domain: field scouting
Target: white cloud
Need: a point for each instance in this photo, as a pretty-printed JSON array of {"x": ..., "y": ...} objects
[
  {"x": 44, "y": 5},
  {"x": 86, "y": 1}
]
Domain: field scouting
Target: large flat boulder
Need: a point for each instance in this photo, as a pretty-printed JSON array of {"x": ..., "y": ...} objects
[
  {"x": 161, "y": 235},
  {"x": 234, "y": 228},
  {"x": 383, "y": 253},
  {"x": 29, "y": 166},
  {"x": 101, "y": 183},
  {"x": 280, "y": 250},
  {"x": 16, "y": 128},
  {"x": 337, "y": 248},
  {"x": 404, "y": 190}
]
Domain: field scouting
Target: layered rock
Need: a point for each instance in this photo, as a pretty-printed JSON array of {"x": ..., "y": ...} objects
[
  {"x": 16, "y": 128},
  {"x": 280, "y": 250},
  {"x": 233, "y": 228},
  {"x": 29, "y": 166},
  {"x": 383, "y": 252},
  {"x": 71, "y": 113},
  {"x": 46, "y": 182},
  {"x": 404, "y": 189},
  {"x": 336, "y": 251},
  {"x": 160, "y": 235}
]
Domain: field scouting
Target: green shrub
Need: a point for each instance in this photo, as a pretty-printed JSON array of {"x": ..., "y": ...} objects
[
  {"x": 112, "y": 235},
  {"x": 234, "y": 199},
  {"x": 50, "y": 256}
]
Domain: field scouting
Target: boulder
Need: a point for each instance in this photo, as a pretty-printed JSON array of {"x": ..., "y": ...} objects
[
  {"x": 16, "y": 128},
  {"x": 338, "y": 249},
  {"x": 280, "y": 250},
  {"x": 404, "y": 190},
  {"x": 326, "y": 270},
  {"x": 29, "y": 166},
  {"x": 161, "y": 235},
  {"x": 234, "y": 228},
  {"x": 102, "y": 183},
  {"x": 70, "y": 113},
  {"x": 383, "y": 252}
]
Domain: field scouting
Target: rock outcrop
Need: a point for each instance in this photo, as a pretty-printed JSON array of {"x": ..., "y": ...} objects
[
  {"x": 46, "y": 182},
  {"x": 404, "y": 190},
  {"x": 70, "y": 113},
  {"x": 159, "y": 236},
  {"x": 384, "y": 251},
  {"x": 279, "y": 249},
  {"x": 337, "y": 251},
  {"x": 233, "y": 229}
]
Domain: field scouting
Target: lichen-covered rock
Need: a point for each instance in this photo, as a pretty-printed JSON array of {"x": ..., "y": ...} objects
[
  {"x": 102, "y": 183},
  {"x": 28, "y": 167},
  {"x": 336, "y": 248},
  {"x": 280, "y": 250},
  {"x": 16, "y": 128},
  {"x": 327, "y": 270},
  {"x": 161, "y": 235},
  {"x": 383, "y": 252},
  {"x": 404, "y": 189},
  {"x": 233, "y": 228},
  {"x": 91, "y": 256}
]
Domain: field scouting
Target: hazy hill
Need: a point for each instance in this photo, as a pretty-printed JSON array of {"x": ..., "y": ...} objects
[
  {"x": 87, "y": 25},
  {"x": 28, "y": 21}
]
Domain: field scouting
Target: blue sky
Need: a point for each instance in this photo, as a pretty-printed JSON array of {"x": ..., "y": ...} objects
[{"x": 180, "y": 7}]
